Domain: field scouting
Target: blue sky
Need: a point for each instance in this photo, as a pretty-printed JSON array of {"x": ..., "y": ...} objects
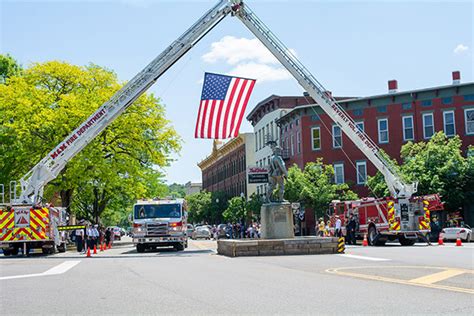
[{"x": 352, "y": 48}]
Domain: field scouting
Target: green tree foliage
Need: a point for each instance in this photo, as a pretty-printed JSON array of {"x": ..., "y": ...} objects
[
  {"x": 199, "y": 205},
  {"x": 254, "y": 205},
  {"x": 236, "y": 211},
  {"x": 315, "y": 187},
  {"x": 176, "y": 190},
  {"x": 8, "y": 67},
  {"x": 439, "y": 167},
  {"x": 49, "y": 100}
]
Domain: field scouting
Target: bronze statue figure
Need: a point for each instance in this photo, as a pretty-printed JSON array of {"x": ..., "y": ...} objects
[{"x": 276, "y": 175}]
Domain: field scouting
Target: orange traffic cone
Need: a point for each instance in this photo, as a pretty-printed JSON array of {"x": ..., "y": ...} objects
[
  {"x": 88, "y": 252},
  {"x": 458, "y": 242},
  {"x": 110, "y": 245},
  {"x": 101, "y": 247},
  {"x": 440, "y": 240},
  {"x": 95, "y": 250},
  {"x": 365, "y": 243}
]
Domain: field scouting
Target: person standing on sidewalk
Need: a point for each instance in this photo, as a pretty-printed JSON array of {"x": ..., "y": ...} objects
[
  {"x": 337, "y": 228},
  {"x": 79, "y": 239}
]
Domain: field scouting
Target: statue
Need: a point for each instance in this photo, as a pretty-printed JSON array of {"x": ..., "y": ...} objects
[{"x": 276, "y": 175}]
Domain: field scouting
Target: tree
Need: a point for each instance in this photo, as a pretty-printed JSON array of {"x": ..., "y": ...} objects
[
  {"x": 437, "y": 165},
  {"x": 236, "y": 211},
  {"x": 8, "y": 67},
  {"x": 49, "y": 100},
  {"x": 198, "y": 205},
  {"x": 315, "y": 187},
  {"x": 177, "y": 190}
]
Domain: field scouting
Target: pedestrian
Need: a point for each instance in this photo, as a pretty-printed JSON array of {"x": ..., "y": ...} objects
[
  {"x": 321, "y": 227},
  {"x": 351, "y": 230},
  {"x": 95, "y": 235},
  {"x": 79, "y": 239},
  {"x": 107, "y": 236},
  {"x": 327, "y": 231},
  {"x": 337, "y": 228},
  {"x": 89, "y": 237}
]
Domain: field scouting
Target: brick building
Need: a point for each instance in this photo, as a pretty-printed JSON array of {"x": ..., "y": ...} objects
[
  {"x": 390, "y": 120},
  {"x": 225, "y": 169}
]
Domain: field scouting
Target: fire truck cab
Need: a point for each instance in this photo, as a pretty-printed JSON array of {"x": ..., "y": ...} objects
[{"x": 160, "y": 223}]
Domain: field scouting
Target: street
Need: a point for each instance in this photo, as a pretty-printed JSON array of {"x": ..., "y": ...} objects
[{"x": 365, "y": 280}]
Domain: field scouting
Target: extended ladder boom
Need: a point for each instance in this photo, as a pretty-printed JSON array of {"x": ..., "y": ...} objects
[
  {"x": 49, "y": 167},
  {"x": 395, "y": 184}
]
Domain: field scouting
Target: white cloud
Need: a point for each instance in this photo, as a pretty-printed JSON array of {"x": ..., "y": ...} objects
[
  {"x": 461, "y": 48},
  {"x": 261, "y": 72},
  {"x": 249, "y": 57}
]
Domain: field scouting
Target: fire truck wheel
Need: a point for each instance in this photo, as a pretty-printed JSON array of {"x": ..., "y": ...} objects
[
  {"x": 62, "y": 248},
  {"x": 6, "y": 252},
  {"x": 14, "y": 251},
  {"x": 179, "y": 247},
  {"x": 140, "y": 248},
  {"x": 372, "y": 235},
  {"x": 406, "y": 242}
]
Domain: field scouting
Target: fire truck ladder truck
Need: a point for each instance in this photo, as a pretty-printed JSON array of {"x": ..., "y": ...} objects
[{"x": 49, "y": 167}]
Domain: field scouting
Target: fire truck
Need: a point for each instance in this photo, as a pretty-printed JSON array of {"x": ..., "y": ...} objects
[
  {"x": 379, "y": 222},
  {"x": 32, "y": 184},
  {"x": 160, "y": 223},
  {"x": 26, "y": 227}
]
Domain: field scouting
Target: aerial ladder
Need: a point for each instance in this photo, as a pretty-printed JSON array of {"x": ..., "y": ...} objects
[{"x": 33, "y": 183}]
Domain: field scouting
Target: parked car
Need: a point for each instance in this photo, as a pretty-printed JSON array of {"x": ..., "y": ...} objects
[
  {"x": 201, "y": 232},
  {"x": 189, "y": 230},
  {"x": 117, "y": 232},
  {"x": 221, "y": 231},
  {"x": 452, "y": 233}
]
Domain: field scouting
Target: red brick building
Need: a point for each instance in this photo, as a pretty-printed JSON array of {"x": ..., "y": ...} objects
[{"x": 390, "y": 120}]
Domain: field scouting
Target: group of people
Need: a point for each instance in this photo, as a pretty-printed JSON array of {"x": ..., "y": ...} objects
[
  {"x": 323, "y": 229},
  {"x": 92, "y": 235},
  {"x": 237, "y": 231}
]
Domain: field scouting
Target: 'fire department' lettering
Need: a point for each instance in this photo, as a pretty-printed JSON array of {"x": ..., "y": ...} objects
[{"x": 62, "y": 147}]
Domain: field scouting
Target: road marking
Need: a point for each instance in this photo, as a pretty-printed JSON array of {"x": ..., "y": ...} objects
[
  {"x": 59, "y": 269},
  {"x": 338, "y": 271},
  {"x": 437, "y": 277},
  {"x": 346, "y": 255}
]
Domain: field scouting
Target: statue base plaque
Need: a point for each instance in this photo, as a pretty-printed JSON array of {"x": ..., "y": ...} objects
[{"x": 277, "y": 221}]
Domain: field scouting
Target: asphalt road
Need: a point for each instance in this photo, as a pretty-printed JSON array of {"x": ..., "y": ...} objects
[{"x": 366, "y": 280}]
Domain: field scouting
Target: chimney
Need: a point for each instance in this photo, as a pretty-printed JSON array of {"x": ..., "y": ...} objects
[
  {"x": 456, "y": 77},
  {"x": 392, "y": 86}
]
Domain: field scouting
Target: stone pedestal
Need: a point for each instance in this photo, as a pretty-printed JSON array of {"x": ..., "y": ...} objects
[{"x": 277, "y": 221}]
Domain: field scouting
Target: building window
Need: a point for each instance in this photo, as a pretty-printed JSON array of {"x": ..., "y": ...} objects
[
  {"x": 382, "y": 109},
  {"x": 448, "y": 123},
  {"x": 469, "y": 97},
  {"x": 407, "y": 122},
  {"x": 426, "y": 103},
  {"x": 383, "y": 130},
  {"x": 316, "y": 138},
  {"x": 360, "y": 126},
  {"x": 336, "y": 136},
  {"x": 358, "y": 112},
  {"x": 271, "y": 130},
  {"x": 298, "y": 142},
  {"x": 297, "y": 122},
  {"x": 264, "y": 161},
  {"x": 339, "y": 173},
  {"x": 259, "y": 139},
  {"x": 361, "y": 172},
  {"x": 256, "y": 141},
  {"x": 406, "y": 106},
  {"x": 428, "y": 125},
  {"x": 292, "y": 145},
  {"x": 447, "y": 100},
  {"x": 469, "y": 119}
]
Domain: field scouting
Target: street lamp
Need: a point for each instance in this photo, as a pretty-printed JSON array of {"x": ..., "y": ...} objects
[{"x": 242, "y": 226}]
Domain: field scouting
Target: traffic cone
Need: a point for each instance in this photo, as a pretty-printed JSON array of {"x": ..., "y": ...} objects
[
  {"x": 110, "y": 245},
  {"x": 101, "y": 247},
  {"x": 95, "y": 250},
  {"x": 88, "y": 252},
  {"x": 440, "y": 240},
  {"x": 365, "y": 243},
  {"x": 458, "y": 241}
]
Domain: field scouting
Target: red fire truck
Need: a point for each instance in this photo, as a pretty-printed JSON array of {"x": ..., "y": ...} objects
[{"x": 381, "y": 222}]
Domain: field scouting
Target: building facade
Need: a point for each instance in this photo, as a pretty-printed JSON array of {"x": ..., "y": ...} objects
[
  {"x": 192, "y": 187},
  {"x": 225, "y": 169},
  {"x": 390, "y": 120}
]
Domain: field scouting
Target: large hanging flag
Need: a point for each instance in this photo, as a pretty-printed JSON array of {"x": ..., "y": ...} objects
[{"x": 223, "y": 103}]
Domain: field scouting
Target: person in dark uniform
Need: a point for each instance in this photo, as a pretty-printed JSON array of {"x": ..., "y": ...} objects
[{"x": 350, "y": 229}]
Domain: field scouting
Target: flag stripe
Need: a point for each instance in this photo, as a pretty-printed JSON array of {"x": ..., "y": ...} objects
[
  {"x": 246, "y": 100},
  {"x": 204, "y": 118},
  {"x": 234, "y": 84},
  {"x": 230, "y": 118},
  {"x": 198, "y": 122},
  {"x": 234, "y": 115}
]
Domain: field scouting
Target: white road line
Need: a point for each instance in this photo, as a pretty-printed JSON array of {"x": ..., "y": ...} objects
[
  {"x": 363, "y": 257},
  {"x": 59, "y": 269}
]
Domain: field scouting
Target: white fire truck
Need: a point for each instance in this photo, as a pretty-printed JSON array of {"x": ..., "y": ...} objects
[
  {"x": 160, "y": 223},
  {"x": 32, "y": 184}
]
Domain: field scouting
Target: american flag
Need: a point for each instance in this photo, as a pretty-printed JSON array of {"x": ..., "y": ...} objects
[{"x": 223, "y": 103}]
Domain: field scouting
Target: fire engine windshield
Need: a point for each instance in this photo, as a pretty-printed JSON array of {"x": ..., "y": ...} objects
[{"x": 157, "y": 211}]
